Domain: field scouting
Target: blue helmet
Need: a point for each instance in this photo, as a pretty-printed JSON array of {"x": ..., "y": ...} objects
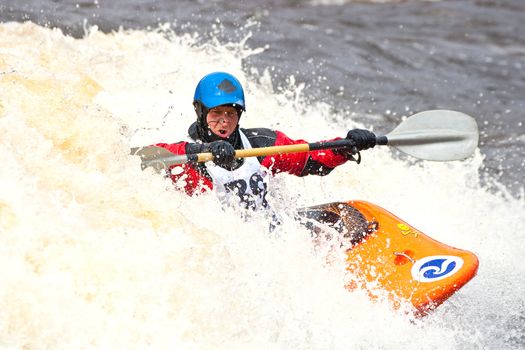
[{"x": 217, "y": 89}]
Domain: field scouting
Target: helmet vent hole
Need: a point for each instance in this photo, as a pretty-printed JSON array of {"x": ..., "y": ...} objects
[{"x": 226, "y": 86}]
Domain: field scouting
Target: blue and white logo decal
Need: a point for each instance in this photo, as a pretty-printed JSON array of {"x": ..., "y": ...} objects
[{"x": 436, "y": 267}]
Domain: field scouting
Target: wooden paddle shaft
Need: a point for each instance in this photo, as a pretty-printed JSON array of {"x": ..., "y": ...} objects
[{"x": 265, "y": 151}]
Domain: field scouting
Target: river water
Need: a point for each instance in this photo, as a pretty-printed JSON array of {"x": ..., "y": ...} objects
[{"x": 96, "y": 253}]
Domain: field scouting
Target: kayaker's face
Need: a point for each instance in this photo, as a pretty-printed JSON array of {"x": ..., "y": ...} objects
[{"x": 222, "y": 120}]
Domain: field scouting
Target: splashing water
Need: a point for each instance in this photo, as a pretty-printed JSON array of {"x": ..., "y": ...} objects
[{"x": 96, "y": 253}]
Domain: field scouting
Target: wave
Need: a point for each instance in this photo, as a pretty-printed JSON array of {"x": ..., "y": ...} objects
[{"x": 97, "y": 253}]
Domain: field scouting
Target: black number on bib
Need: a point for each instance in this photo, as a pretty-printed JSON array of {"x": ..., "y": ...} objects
[
  {"x": 238, "y": 187},
  {"x": 257, "y": 186}
]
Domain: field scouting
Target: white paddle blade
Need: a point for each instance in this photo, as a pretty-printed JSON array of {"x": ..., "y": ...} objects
[
  {"x": 150, "y": 152},
  {"x": 439, "y": 135},
  {"x": 154, "y": 156}
]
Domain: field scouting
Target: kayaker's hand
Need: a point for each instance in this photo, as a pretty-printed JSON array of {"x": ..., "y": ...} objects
[
  {"x": 223, "y": 153},
  {"x": 363, "y": 139}
]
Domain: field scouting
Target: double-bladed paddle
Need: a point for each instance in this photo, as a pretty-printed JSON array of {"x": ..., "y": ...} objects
[{"x": 439, "y": 135}]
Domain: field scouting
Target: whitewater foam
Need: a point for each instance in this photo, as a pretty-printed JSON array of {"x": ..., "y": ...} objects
[{"x": 96, "y": 253}]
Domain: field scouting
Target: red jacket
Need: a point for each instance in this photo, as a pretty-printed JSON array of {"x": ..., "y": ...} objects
[{"x": 197, "y": 180}]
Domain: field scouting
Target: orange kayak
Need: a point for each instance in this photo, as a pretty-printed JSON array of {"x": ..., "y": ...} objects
[{"x": 395, "y": 257}]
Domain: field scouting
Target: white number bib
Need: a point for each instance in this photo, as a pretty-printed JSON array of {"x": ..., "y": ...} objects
[{"x": 247, "y": 184}]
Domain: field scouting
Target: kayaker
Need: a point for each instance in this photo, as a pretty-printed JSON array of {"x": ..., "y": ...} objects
[{"x": 219, "y": 103}]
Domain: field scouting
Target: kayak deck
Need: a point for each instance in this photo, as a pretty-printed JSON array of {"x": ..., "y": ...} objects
[{"x": 395, "y": 257}]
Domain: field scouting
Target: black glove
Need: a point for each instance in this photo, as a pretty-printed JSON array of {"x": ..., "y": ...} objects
[
  {"x": 363, "y": 139},
  {"x": 223, "y": 153}
]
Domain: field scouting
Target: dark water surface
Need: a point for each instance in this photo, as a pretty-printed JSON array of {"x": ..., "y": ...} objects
[{"x": 387, "y": 59}]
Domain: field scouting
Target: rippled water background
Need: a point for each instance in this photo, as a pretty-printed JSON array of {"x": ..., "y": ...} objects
[{"x": 376, "y": 60}]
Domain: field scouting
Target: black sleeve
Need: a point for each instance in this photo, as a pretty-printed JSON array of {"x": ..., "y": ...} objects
[{"x": 313, "y": 167}]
